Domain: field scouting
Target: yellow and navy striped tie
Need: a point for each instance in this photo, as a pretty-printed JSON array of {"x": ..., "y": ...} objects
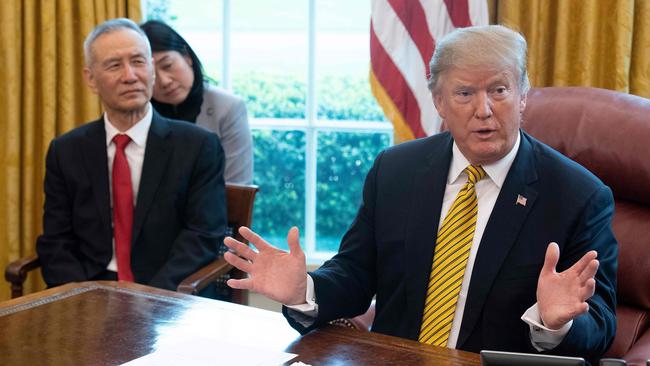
[{"x": 449, "y": 260}]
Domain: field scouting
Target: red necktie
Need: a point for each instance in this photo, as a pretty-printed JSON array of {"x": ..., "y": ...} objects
[{"x": 122, "y": 209}]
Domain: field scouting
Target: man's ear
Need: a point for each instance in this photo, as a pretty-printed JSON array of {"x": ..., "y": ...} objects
[
  {"x": 438, "y": 102},
  {"x": 153, "y": 67},
  {"x": 89, "y": 78},
  {"x": 522, "y": 103}
]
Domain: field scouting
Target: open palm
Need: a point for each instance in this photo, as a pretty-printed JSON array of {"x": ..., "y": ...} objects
[
  {"x": 274, "y": 273},
  {"x": 562, "y": 296}
]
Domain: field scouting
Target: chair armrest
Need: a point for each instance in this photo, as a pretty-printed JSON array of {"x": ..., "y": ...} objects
[
  {"x": 16, "y": 273},
  {"x": 203, "y": 277}
]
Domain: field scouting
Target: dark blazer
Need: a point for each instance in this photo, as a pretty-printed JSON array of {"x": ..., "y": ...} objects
[
  {"x": 179, "y": 219},
  {"x": 389, "y": 248}
]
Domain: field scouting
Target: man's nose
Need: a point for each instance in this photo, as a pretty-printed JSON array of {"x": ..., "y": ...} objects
[
  {"x": 483, "y": 106},
  {"x": 128, "y": 73}
]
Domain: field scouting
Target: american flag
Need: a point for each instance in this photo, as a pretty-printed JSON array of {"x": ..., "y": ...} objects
[
  {"x": 521, "y": 200},
  {"x": 402, "y": 40}
]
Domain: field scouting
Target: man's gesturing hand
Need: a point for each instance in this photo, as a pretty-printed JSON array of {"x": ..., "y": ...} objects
[
  {"x": 562, "y": 296},
  {"x": 272, "y": 272}
]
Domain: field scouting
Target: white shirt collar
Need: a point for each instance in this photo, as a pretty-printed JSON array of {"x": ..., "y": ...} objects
[
  {"x": 497, "y": 171},
  {"x": 138, "y": 132}
]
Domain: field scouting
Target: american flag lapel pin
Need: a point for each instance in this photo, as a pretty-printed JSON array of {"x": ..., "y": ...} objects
[{"x": 521, "y": 200}]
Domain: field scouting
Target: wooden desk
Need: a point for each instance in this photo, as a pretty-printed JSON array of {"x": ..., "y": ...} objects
[{"x": 108, "y": 323}]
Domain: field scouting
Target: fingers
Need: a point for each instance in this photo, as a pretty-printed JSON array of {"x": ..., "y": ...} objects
[
  {"x": 244, "y": 284},
  {"x": 240, "y": 248},
  {"x": 590, "y": 288},
  {"x": 293, "y": 239},
  {"x": 579, "y": 309},
  {"x": 587, "y": 282},
  {"x": 585, "y": 261},
  {"x": 551, "y": 258},
  {"x": 589, "y": 271},
  {"x": 238, "y": 262},
  {"x": 253, "y": 238}
]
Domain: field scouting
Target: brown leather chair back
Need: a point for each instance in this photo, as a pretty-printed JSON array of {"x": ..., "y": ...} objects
[{"x": 608, "y": 132}]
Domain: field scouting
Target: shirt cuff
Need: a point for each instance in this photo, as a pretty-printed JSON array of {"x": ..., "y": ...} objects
[
  {"x": 305, "y": 314},
  {"x": 541, "y": 337},
  {"x": 310, "y": 307}
]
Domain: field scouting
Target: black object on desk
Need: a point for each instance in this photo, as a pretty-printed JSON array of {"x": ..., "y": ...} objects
[{"x": 498, "y": 358}]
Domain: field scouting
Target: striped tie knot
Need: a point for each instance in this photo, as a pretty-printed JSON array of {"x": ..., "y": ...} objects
[{"x": 474, "y": 173}]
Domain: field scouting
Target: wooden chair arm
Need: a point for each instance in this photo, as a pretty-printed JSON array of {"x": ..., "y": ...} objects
[
  {"x": 16, "y": 273},
  {"x": 203, "y": 277}
]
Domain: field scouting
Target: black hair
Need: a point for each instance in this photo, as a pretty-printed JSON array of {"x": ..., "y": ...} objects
[{"x": 162, "y": 38}]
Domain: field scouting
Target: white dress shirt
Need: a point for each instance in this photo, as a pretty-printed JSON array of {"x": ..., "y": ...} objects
[
  {"x": 134, "y": 152},
  {"x": 487, "y": 191}
]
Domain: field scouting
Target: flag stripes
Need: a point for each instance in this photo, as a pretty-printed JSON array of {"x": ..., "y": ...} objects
[{"x": 402, "y": 40}]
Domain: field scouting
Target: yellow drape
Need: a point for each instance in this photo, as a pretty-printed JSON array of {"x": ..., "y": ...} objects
[
  {"x": 597, "y": 43},
  {"x": 42, "y": 96}
]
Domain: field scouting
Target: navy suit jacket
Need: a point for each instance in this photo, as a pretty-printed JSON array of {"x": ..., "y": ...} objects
[
  {"x": 389, "y": 248},
  {"x": 179, "y": 218}
]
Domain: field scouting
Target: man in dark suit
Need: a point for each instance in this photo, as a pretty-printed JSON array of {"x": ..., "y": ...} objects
[
  {"x": 459, "y": 235},
  {"x": 151, "y": 211}
]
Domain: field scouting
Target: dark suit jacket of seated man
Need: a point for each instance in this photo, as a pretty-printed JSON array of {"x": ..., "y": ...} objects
[
  {"x": 388, "y": 249},
  {"x": 179, "y": 218}
]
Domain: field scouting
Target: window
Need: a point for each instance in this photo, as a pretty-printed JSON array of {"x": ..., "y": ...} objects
[{"x": 302, "y": 67}]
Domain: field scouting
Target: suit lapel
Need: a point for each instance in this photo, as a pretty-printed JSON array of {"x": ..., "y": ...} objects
[
  {"x": 500, "y": 234},
  {"x": 157, "y": 152},
  {"x": 96, "y": 164},
  {"x": 428, "y": 190}
]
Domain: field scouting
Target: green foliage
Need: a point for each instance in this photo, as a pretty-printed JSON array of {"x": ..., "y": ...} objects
[
  {"x": 344, "y": 159},
  {"x": 347, "y": 98},
  {"x": 280, "y": 174},
  {"x": 271, "y": 95},
  {"x": 283, "y": 96}
]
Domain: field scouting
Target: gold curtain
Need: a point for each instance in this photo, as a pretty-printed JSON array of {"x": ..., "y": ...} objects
[
  {"x": 43, "y": 95},
  {"x": 597, "y": 43}
]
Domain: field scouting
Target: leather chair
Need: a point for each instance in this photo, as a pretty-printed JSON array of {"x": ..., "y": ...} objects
[
  {"x": 606, "y": 132},
  {"x": 240, "y": 200}
]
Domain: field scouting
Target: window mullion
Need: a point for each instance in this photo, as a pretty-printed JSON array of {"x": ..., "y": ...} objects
[
  {"x": 225, "y": 46},
  {"x": 312, "y": 135}
]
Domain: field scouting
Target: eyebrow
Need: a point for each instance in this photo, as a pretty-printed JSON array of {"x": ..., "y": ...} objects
[
  {"x": 462, "y": 84},
  {"x": 500, "y": 81},
  {"x": 118, "y": 58},
  {"x": 110, "y": 60}
]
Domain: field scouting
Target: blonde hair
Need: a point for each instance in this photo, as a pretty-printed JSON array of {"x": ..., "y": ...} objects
[{"x": 492, "y": 46}]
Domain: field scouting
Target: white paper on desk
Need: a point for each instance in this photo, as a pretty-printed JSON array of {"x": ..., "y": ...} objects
[{"x": 210, "y": 353}]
